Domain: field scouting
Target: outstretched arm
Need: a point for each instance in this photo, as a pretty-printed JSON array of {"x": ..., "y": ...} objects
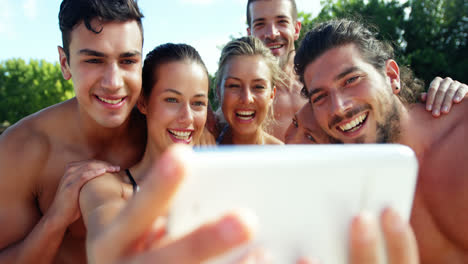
[{"x": 113, "y": 243}]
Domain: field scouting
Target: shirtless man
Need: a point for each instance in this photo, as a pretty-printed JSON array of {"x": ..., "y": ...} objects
[
  {"x": 39, "y": 192},
  {"x": 359, "y": 95},
  {"x": 39, "y": 211},
  {"x": 275, "y": 23}
]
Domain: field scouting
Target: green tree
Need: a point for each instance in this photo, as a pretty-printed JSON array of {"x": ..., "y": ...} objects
[
  {"x": 430, "y": 36},
  {"x": 27, "y": 88},
  {"x": 436, "y": 33}
]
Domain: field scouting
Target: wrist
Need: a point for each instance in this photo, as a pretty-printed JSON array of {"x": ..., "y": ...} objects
[{"x": 54, "y": 224}]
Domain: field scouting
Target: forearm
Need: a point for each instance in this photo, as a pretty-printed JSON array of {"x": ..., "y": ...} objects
[{"x": 41, "y": 245}]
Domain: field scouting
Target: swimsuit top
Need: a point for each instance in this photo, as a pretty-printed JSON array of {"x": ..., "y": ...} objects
[
  {"x": 222, "y": 134},
  {"x": 135, "y": 186}
]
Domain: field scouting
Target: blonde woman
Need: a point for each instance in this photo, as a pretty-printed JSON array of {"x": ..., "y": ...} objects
[{"x": 246, "y": 85}]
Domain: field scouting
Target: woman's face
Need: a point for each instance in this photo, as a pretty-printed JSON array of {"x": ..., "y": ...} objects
[
  {"x": 176, "y": 108},
  {"x": 246, "y": 93}
]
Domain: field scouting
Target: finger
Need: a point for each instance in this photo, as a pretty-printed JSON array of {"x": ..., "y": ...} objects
[
  {"x": 157, "y": 232},
  {"x": 431, "y": 92},
  {"x": 399, "y": 239},
  {"x": 209, "y": 240},
  {"x": 254, "y": 256},
  {"x": 423, "y": 97},
  {"x": 308, "y": 261},
  {"x": 149, "y": 203},
  {"x": 461, "y": 93},
  {"x": 150, "y": 238},
  {"x": 364, "y": 243},
  {"x": 449, "y": 97},
  {"x": 440, "y": 96}
]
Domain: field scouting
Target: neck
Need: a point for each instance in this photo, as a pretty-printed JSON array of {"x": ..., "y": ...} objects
[
  {"x": 150, "y": 158},
  {"x": 256, "y": 138},
  {"x": 415, "y": 124},
  {"x": 98, "y": 137}
]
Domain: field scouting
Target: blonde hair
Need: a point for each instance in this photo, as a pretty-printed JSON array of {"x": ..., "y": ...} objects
[{"x": 248, "y": 46}]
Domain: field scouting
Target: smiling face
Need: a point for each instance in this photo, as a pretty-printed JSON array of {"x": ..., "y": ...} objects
[
  {"x": 304, "y": 129},
  {"x": 351, "y": 100},
  {"x": 272, "y": 22},
  {"x": 177, "y": 106},
  {"x": 106, "y": 70},
  {"x": 246, "y": 93}
]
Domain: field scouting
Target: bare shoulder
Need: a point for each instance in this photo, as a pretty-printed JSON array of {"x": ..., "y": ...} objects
[
  {"x": 24, "y": 150},
  {"x": 24, "y": 147},
  {"x": 271, "y": 140},
  {"x": 101, "y": 190},
  {"x": 27, "y": 144}
]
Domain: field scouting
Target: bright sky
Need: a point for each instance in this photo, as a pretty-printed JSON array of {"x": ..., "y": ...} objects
[{"x": 29, "y": 28}]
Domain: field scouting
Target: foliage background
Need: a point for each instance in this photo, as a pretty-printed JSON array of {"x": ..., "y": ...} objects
[
  {"x": 26, "y": 88},
  {"x": 430, "y": 36}
]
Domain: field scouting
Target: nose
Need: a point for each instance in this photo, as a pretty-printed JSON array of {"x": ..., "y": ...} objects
[
  {"x": 339, "y": 104},
  {"x": 112, "y": 79},
  {"x": 246, "y": 96},
  {"x": 271, "y": 31},
  {"x": 185, "y": 115}
]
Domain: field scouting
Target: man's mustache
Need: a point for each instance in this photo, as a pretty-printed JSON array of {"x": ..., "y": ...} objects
[{"x": 276, "y": 40}]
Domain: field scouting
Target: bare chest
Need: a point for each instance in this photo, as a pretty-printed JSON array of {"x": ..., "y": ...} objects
[{"x": 285, "y": 105}]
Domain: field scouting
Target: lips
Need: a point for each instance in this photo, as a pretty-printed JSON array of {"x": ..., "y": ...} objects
[
  {"x": 114, "y": 101},
  {"x": 354, "y": 124},
  {"x": 181, "y": 136},
  {"x": 245, "y": 115}
]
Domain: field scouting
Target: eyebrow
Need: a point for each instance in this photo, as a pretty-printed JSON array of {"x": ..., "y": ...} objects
[
  {"x": 239, "y": 79},
  {"x": 95, "y": 53},
  {"x": 337, "y": 77},
  {"x": 179, "y": 93},
  {"x": 277, "y": 17},
  {"x": 346, "y": 72}
]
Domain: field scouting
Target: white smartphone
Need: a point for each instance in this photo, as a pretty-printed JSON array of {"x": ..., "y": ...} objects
[{"x": 304, "y": 196}]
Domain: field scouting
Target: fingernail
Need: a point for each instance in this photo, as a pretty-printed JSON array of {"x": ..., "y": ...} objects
[
  {"x": 241, "y": 223},
  {"x": 429, "y": 107},
  {"x": 364, "y": 226},
  {"x": 458, "y": 99},
  {"x": 436, "y": 112},
  {"x": 116, "y": 168},
  {"x": 445, "y": 109},
  {"x": 393, "y": 220}
]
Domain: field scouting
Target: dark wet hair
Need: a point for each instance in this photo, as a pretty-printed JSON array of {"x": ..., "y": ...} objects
[
  {"x": 336, "y": 33},
  {"x": 163, "y": 54},
  {"x": 293, "y": 10},
  {"x": 73, "y": 12}
]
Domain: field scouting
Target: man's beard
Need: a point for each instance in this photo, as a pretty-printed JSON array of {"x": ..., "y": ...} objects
[
  {"x": 386, "y": 132},
  {"x": 390, "y": 130}
]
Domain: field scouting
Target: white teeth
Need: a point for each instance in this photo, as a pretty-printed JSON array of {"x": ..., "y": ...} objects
[
  {"x": 182, "y": 135},
  {"x": 275, "y": 47},
  {"x": 245, "y": 113},
  {"x": 110, "y": 101},
  {"x": 353, "y": 123}
]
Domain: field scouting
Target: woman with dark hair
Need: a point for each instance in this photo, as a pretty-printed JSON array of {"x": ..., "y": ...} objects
[{"x": 174, "y": 100}]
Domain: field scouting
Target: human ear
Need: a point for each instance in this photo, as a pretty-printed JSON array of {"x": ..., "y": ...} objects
[
  {"x": 142, "y": 105},
  {"x": 64, "y": 64},
  {"x": 273, "y": 92},
  {"x": 297, "y": 29},
  {"x": 249, "y": 33},
  {"x": 393, "y": 74}
]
